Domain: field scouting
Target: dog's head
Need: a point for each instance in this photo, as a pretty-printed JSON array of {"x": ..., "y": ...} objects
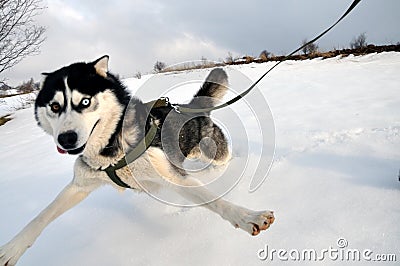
[{"x": 78, "y": 101}]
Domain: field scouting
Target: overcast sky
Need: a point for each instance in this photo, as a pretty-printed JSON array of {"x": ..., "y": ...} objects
[{"x": 137, "y": 33}]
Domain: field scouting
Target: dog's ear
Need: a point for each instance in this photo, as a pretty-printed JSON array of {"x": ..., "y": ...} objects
[{"x": 101, "y": 65}]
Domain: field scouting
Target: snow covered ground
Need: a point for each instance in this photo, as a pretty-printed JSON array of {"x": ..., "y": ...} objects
[{"x": 333, "y": 184}]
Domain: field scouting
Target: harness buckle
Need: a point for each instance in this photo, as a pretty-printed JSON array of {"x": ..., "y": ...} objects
[{"x": 176, "y": 108}]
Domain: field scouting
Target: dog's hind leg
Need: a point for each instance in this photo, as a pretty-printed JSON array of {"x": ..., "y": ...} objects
[
  {"x": 213, "y": 147},
  {"x": 193, "y": 190},
  {"x": 222, "y": 155},
  {"x": 250, "y": 221},
  {"x": 71, "y": 195}
]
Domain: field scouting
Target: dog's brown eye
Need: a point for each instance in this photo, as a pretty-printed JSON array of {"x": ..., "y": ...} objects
[{"x": 55, "y": 107}]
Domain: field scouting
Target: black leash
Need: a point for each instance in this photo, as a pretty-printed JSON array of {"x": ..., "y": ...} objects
[
  {"x": 145, "y": 143},
  {"x": 201, "y": 110}
]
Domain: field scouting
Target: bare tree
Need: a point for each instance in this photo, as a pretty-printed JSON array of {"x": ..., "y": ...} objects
[
  {"x": 359, "y": 42},
  {"x": 229, "y": 59},
  {"x": 310, "y": 48},
  {"x": 19, "y": 35},
  {"x": 159, "y": 66}
]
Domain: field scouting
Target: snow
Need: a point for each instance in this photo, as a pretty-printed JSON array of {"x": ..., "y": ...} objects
[
  {"x": 11, "y": 104},
  {"x": 334, "y": 175}
]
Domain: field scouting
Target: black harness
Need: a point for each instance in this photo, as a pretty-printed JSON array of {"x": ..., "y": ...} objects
[{"x": 145, "y": 143}]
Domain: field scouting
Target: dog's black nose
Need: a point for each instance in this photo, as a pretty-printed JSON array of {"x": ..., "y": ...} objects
[{"x": 68, "y": 139}]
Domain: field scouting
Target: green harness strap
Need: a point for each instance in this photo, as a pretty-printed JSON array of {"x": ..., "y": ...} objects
[{"x": 142, "y": 146}]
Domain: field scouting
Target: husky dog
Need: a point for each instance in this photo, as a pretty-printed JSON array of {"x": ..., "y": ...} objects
[{"x": 85, "y": 108}]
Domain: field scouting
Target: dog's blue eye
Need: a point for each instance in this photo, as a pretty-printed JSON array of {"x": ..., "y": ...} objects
[{"x": 85, "y": 102}]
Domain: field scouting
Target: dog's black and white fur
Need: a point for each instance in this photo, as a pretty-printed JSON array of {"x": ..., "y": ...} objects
[{"x": 85, "y": 108}]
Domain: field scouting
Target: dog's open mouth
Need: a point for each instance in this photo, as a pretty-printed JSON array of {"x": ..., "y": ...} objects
[
  {"x": 80, "y": 149},
  {"x": 73, "y": 152}
]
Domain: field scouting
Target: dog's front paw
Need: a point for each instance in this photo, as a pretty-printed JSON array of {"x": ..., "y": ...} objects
[
  {"x": 254, "y": 222},
  {"x": 11, "y": 252}
]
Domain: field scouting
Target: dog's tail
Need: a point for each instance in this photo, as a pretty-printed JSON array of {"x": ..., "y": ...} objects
[{"x": 212, "y": 91}]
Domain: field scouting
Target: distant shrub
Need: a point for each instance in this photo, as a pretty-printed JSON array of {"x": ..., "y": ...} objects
[
  {"x": 359, "y": 42},
  {"x": 229, "y": 59},
  {"x": 310, "y": 48},
  {"x": 138, "y": 75},
  {"x": 248, "y": 58},
  {"x": 159, "y": 66},
  {"x": 264, "y": 55},
  {"x": 28, "y": 86}
]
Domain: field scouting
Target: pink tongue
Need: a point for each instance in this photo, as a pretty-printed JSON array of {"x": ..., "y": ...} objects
[{"x": 61, "y": 150}]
